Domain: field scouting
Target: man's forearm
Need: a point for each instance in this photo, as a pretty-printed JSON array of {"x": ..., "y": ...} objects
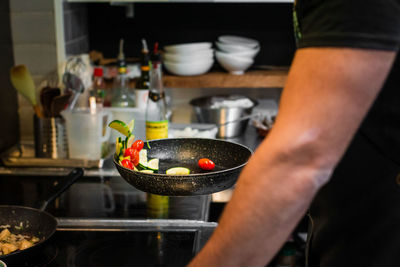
[
  {"x": 260, "y": 227},
  {"x": 328, "y": 93}
]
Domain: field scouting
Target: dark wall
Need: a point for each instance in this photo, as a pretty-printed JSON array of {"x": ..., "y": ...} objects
[
  {"x": 9, "y": 133},
  {"x": 170, "y": 23},
  {"x": 75, "y": 28}
]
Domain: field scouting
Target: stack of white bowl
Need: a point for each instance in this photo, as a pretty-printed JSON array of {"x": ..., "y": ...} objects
[
  {"x": 188, "y": 59},
  {"x": 235, "y": 53}
]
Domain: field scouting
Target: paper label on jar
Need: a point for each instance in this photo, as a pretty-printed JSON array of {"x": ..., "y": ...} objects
[
  {"x": 156, "y": 129},
  {"x": 141, "y": 98}
]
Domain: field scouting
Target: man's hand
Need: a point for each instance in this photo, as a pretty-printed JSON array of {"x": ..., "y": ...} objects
[{"x": 328, "y": 93}]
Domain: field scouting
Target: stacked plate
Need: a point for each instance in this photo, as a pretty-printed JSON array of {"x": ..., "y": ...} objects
[
  {"x": 235, "y": 53},
  {"x": 188, "y": 59}
]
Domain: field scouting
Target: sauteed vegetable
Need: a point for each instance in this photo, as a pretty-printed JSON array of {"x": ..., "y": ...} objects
[
  {"x": 10, "y": 242},
  {"x": 131, "y": 155}
]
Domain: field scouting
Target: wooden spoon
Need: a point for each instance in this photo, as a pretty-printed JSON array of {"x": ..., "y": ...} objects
[
  {"x": 22, "y": 80},
  {"x": 47, "y": 94},
  {"x": 58, "y": 104}
]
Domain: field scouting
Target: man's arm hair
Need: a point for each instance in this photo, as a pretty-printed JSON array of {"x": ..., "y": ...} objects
[{"x": 327, "y": 95}]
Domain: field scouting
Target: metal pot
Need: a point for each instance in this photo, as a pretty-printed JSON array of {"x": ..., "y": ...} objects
[{"x": 206, "y": 113}]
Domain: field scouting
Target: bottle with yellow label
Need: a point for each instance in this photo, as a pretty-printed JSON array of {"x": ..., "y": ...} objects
[
  {"x": 156, "y": 128},
  {"x": 156, "y": 110}
]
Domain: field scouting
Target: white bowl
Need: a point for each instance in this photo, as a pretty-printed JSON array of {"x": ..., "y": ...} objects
[
  {"x": 233, "y": 64},
  {"x": 189, "y": 57},
  {"x": 232, "y": 48},
  {"x": 246, "y": 53},
  {"x": 239, "y": 40},
  {"x": 189, "y": 68},
  {"x": 188, "y": 47}
]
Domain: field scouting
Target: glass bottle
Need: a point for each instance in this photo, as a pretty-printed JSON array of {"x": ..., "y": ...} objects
[
  {"x": 99, "y": 87},
  {"x": 121, "y": 96},
  {"x": 156, "y": 128},
  {"x": 143, "y": 84},
  {"x": 156, "y": 111}
]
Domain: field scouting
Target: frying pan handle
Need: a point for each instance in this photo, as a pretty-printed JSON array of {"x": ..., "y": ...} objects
[{"x": 64, "y": 184}]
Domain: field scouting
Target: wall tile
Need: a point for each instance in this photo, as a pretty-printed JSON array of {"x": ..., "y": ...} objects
[
  {"x": 31, "y": 5},
  {"x": 35, "y": 27},
  {"x": 39, "y": 58}
]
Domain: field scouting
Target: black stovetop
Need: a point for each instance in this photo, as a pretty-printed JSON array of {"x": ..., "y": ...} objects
[
  {"x": 98, "y": 248},
  {"x": 95, "y": 197},
  {"x": 107, "y": 198}
]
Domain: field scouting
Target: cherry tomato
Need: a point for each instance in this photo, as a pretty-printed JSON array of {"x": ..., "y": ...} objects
[
  {"x": 138, "y": 145},
  {"x": 135, "y": 157},
  {"x": 129, "y": 152},
  {"x": 127, "y": 164},
  {"x": 206, "y": 164}
]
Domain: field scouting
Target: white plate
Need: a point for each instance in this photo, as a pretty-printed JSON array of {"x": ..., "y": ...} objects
[{"x": 231, "y": 39}]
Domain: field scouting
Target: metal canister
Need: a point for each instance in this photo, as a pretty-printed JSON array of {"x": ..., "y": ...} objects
[{"x": 50, "y": 138}]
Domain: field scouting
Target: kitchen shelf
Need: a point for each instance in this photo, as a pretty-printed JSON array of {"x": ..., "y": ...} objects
[{"x": 251, "y": 79}]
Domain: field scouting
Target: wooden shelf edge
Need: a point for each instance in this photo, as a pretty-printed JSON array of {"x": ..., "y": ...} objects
[{"x": 250, "y": 79}]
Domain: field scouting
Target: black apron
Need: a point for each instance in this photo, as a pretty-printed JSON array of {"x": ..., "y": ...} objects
[{"x": 355, "y": 217}]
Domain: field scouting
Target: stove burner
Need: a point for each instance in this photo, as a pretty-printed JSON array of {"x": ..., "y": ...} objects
[{"x": 143, "y": 249}]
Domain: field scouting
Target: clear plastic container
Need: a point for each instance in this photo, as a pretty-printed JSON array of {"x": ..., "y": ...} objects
[{"x": 86, "y": 132}]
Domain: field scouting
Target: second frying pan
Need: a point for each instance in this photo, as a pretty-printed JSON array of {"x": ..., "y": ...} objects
[{"x": 34, "y": 222}]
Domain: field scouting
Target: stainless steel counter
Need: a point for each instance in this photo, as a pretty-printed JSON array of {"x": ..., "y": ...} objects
[{"x": 250, "y": 139}]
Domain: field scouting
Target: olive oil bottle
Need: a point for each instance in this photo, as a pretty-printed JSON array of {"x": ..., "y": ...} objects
[{"x": 156, "y": 128}]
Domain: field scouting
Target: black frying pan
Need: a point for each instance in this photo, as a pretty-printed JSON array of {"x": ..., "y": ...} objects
[
  {"x": 229, "y": 159},
  {"x": 35, "y": 222}
]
